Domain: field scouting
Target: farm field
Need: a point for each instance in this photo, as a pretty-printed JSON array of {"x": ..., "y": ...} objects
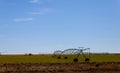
[
  {"x": 51, "y": 64},
  {"x": 53, "y": 59}
]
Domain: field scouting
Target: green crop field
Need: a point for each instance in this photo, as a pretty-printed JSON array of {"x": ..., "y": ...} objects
[{"x": 53, "y": 59}]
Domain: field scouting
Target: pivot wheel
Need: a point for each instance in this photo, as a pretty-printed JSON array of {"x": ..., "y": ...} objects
[
  {"x": 66, "y": 57},
  {"x": 75, "y": 60},
  {"x": 87, "y": 59},
  {"x": 59, "y": 57}
]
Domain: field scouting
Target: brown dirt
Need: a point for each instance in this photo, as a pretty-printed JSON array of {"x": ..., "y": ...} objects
[{"x": 105, "y": 67}]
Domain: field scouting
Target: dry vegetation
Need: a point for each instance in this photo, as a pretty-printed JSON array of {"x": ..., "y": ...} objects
[{"x": 105, "y": 67}]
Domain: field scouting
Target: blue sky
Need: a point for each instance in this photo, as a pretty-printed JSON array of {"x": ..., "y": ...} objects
[{"x": 43, "y": 26}]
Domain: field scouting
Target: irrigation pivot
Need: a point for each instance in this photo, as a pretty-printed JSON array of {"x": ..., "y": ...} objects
[{"x": 81, "y": 51}]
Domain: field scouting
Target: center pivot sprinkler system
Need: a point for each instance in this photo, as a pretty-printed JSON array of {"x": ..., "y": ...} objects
[{"x": 80, "y": 51}]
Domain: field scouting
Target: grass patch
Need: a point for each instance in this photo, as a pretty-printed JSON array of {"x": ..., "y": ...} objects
[{"x": 51, "y": 59}]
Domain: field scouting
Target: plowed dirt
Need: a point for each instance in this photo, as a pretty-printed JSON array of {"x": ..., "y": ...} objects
[{"x": 93, "y": 67}]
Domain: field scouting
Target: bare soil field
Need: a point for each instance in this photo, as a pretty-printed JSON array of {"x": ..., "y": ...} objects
[{"x": 92, "y": 67}]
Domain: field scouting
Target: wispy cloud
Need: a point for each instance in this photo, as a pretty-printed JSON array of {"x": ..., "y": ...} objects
[
  {"x": 22, "y": 19},
  {"x": 43, "y": 11},
  {"x": 35, "y": 1},
  {"x": 39, "y": 1}
]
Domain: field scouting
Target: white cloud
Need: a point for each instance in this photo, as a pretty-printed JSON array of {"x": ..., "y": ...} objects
[
  {"x": 22, "y": 19},
  {"x": 43, "y": 11},
  {"x": 35, "y": 1}
]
